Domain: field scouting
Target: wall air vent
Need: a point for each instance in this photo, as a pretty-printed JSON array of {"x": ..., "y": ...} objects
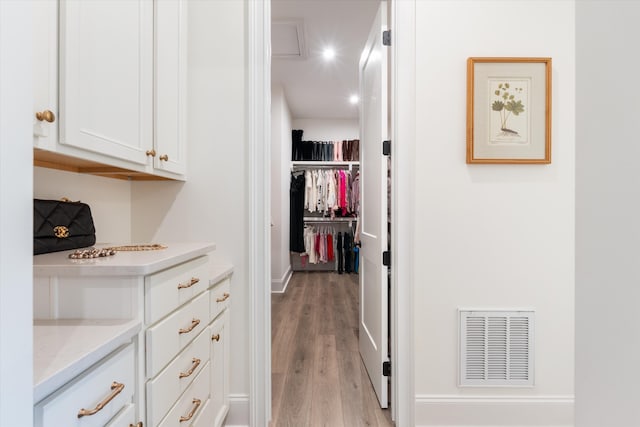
[
  {"x": 287, "y": 39},
  {"x": 496, "y": 348}
]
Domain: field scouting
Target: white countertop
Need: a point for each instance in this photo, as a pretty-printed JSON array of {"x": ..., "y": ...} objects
[
  {"x": 122, "y": 263},
  {"x": 63, "y": 349},
  {"x": 219, "y": 272}
]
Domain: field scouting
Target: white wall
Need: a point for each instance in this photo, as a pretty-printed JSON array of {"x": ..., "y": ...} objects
[
  {"x": 491, "y": 236},
  {"x": 280, "y": 181},
  {"x": 327, "y": 129},
  {"x": 212, "y": 204},
  {"x": 16, "y": 215},
  {"x": 109, "y": 199},
  {"x": 607, "y": 212}
]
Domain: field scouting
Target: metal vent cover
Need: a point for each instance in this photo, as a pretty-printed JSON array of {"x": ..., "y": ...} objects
[{"x": 496, "y": 348}]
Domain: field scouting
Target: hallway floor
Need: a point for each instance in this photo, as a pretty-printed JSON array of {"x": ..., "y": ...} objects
[{"x": 317, "y": 376}]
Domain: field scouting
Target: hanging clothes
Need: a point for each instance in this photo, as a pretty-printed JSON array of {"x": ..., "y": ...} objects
[
  {"x": 296, "y": 213},
  {"x": 330, "y": 192},
  {"x": 347, "y": 245},
  {"x": 339, "y": 247},
  {"x": 354, "y": 197},
  {"x": 296, "y": 144}
]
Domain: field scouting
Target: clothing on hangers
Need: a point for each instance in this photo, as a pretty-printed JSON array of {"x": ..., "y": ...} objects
[
  {"x": 330, "y": 192},
  {"x": 296, "y": 213}
]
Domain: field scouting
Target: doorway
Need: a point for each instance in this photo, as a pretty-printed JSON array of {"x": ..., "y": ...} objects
[
  {"x": 316, "y": 47},
  {"x": 403, "y": 126}
]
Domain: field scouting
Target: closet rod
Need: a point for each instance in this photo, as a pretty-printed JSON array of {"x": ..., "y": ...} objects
[
  {"x": 318, "y": 165},
  {"x": 316, "y": 219}
]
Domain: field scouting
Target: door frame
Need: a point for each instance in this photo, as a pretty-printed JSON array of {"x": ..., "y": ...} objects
[
  {"x": 403, "y": 119},
  {"x": 16, "y": 213}
]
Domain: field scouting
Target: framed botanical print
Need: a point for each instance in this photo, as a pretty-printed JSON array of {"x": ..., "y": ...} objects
[{"x": 509, "y": 110}]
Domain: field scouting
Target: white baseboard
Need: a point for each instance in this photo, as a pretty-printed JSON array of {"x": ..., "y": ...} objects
[
  {"x": 280, "y": 286},
  {"x": 238, "y": 411},
  {"x": 494, "y": 411}
]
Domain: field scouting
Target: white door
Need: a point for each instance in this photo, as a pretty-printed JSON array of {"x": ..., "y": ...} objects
[{"x": 373, "y": 322}]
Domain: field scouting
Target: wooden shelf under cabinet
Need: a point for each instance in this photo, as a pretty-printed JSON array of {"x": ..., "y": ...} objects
[{"x": 51, "y": 160}]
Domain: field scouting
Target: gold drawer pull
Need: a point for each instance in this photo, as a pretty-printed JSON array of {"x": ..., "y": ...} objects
[
  {"x": 137, "y": 424},
  {"x": 151, "y": 153},
  {"x": 192, "y": 282},
  {"x": 164, "y": 157},
  {"x": 196, "y": 405},
  {"x": 116, "y": 389},
  {"x": 194, "y": 323},
  {"x": 215, "y": 337},
  {"x": 196, "y": 363},
  {"x": 225, "y": 297}
]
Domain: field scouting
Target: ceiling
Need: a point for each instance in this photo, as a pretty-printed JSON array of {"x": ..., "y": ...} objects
[{"x": 315, "y": 88}]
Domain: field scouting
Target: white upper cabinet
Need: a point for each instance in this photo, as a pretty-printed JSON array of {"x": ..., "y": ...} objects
[
  {"x": 45, "y": 75},
  {"x": 106, "y": 78},
  {"x": 113, "y": 74},
  {"x": 170, "y": 85}
]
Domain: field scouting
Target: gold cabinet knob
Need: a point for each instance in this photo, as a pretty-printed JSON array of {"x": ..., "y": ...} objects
[
  {"x": 46, "y": 116},
  {"x": 151, "y": 153},
  {"x": 215, "y": 337},
  {"x": 164, "y": 157}
]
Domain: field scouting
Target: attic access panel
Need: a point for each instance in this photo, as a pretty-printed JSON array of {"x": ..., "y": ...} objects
[{"x": 288, "y": 39}]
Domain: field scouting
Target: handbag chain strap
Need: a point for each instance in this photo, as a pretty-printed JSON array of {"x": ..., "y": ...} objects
[{"x": 110, "y": 251}]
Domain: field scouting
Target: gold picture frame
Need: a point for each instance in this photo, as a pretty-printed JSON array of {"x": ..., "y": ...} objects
[{"x": 509, "y": 110}]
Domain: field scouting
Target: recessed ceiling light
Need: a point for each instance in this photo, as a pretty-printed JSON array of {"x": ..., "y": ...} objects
[
  {"x": 354, "y": 99},
  {"x": 328, "y": 54}
]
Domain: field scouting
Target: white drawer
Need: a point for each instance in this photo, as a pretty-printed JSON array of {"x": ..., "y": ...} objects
[
  {"x": 188, "y": 408},
  {"x": 164, "y": 390},
  {"x": 168, "y": 289},
  {"x": 126, "y": 418},
  {"x": 205, "y": 416},
  {"x": 165, "y": 340},
  {"x": 220, "y": 297},
  {"x": 110, "y": 383},
  {"x": 219, "y": 331}
]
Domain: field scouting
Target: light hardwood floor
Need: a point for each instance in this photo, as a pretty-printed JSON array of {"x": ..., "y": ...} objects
[{"x": 317, "y": 376}]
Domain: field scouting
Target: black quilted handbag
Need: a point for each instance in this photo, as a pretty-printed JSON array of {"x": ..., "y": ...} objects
[{"x": 60, "y": 225}]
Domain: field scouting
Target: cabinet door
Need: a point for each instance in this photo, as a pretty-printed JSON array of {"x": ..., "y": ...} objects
[
  {"x": 106, "y": 77},
  {"x": 45, "y": 74},
  {"x": 170, "y": 85},
  {"x": 219, "y": 331}
]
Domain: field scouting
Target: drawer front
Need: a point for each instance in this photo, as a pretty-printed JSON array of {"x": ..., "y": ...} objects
[
  {"x": 126, "y": 418},
  {"x": 165, "y": 340},
  {"x": 187, "y": 408},
  {"x": 220, "y": 297},
  {"x": 110, "y": 383},
  {"x": 219, "y": 331},
  {"x": 169, "y": 289},
  {"x": 164, "y": 390},
  {"x": 205, "y": 416}
]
